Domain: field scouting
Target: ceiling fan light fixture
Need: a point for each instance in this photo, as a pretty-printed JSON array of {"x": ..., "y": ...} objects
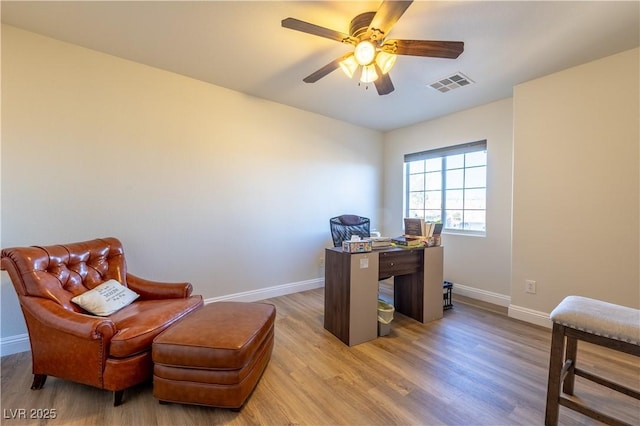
[
  {"x": 364, "y": 52},
  {"x": 385, "y": 61},
  {"x": 349, "y": 66},
  {"x": 369, "y": 74},
  {"x": 372, "y": 52}
]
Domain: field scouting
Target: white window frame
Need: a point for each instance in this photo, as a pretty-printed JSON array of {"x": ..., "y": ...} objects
[{"x": 443, "y": 154}]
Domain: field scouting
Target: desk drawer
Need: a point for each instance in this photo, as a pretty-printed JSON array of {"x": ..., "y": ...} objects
[{"x": 400, "y": 262}]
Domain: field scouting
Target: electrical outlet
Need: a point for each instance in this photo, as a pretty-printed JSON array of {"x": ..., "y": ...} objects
[
  {"x": 530, "y": 286},
  {"x": 321, "y": 261}
]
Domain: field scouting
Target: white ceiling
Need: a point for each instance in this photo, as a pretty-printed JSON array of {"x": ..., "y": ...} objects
[{"x": 241, "y": 45}]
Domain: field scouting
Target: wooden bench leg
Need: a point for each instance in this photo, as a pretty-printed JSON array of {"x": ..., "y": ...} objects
[
  {"x": 571, "y": 354},
  {"x": 555, "y": 372}
]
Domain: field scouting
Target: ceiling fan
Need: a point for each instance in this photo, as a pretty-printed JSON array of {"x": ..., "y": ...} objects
[{"x": 373, "y": 53}]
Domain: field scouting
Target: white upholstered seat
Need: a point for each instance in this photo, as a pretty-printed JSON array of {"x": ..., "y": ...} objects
[{"x": 599, "y": 318}]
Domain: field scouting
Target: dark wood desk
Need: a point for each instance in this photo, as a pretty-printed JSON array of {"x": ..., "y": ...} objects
[{"x": 351, "y": 288}]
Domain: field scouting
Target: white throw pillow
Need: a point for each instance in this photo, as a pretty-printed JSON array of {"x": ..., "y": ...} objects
[{"x": 105, "y": 299}]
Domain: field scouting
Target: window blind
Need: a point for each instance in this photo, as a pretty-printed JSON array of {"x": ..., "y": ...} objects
[{"x": 449, "y": 150}]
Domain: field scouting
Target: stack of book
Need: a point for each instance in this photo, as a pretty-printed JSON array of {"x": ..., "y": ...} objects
[
  {"x": 427, "y": 232},
  {"x": 407, "y": 241},
  {"x": 380, "y": 242},
  {"x": 437, "y": 234},
  {"x": 420, "y": 228}
]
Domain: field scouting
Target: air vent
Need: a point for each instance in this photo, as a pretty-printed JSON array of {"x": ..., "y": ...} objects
[{"x": 452, "y": 82}]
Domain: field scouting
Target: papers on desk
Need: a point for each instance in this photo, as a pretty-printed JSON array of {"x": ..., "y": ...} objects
[{"x": 380, "y": 242}]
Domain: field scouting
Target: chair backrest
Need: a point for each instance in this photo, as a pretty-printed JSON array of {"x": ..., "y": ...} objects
[
  {"x": 61, "y": 272},
  {"x": 346, "y": 225}
]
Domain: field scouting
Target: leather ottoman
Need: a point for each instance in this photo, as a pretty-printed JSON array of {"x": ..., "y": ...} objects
[{"x": 214, "y": 356}]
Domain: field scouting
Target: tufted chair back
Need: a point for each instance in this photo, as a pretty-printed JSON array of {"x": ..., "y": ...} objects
[{"x": 61, "y": 272}]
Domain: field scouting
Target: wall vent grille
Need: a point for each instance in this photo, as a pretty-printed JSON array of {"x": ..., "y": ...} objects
[{"x": 451, "y": 82}]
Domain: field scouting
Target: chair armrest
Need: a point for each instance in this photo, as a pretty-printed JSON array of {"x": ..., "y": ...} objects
[
  {"x": 67, "y": 344},
  {"x": 52, "y": 315},
  {"x": 149, "y": 290}
]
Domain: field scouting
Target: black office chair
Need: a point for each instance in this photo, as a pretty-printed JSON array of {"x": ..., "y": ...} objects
[
  {"x": 346, "y": 225},
  {"x": 343, "y": 227}
]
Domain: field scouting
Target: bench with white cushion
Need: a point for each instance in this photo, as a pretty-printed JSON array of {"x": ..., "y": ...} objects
[{"x": 594, "y": 321}]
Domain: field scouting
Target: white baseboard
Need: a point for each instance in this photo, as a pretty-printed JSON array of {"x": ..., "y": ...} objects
[
  {"x": 20, "y": 343},
  {"x": 14, "y": 344},
  {"x": 517, "y": 312},
  {"x": 479, "y": 294},
  {"x": 529, "y": 315},
  {"x": 269, "y": 292}
]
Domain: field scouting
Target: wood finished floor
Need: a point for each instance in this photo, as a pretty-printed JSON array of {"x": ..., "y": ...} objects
[{"x": 473, "y": 367}]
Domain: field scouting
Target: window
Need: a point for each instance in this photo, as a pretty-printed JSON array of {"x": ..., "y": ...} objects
[{"x": 448, "y": 185}]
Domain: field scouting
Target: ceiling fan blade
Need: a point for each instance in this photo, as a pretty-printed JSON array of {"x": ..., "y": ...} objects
[
  {"x": 384, "y": 86},
  {"x": 306, "y": 27},
  {"x": 327, "y": 69},
  {"x": 435, "y": 49},
  {"x": 387, "y": 15}
]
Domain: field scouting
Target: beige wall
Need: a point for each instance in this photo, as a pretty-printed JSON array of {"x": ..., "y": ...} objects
[
  {"x": 576, "y": 191},
  {"x": 204, "y": 184},
  {"x": 222, "y": 189},
  {"x": 572, "y": 140},
  {"x": 480, "y": 267}
]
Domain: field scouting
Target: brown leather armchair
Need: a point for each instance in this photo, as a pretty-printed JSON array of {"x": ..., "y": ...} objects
[{"x": 111, "y": 353}]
